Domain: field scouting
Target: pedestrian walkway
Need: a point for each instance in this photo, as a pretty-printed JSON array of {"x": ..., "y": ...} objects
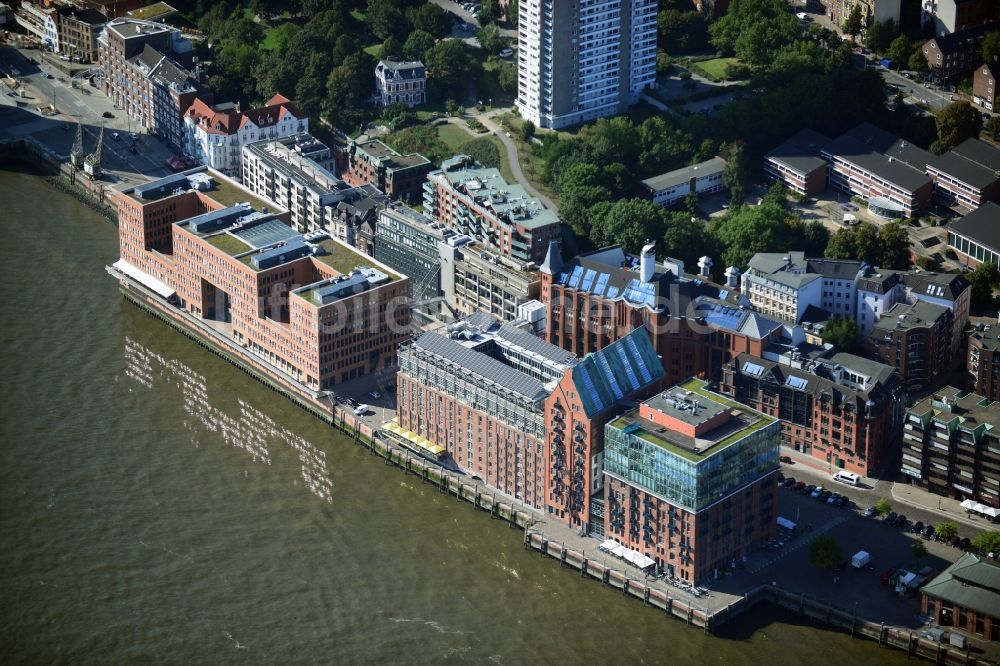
[
  {"x": 800, "y": 543},
  {"x": 513, "y": 160},
  {"x": 948, "y": 508}
]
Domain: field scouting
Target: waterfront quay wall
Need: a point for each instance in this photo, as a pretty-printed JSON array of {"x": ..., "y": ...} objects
[{"x": 59, "y": 174}]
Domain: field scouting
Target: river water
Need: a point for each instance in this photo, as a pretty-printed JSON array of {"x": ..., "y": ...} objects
[{"x": 159, "y": 506}]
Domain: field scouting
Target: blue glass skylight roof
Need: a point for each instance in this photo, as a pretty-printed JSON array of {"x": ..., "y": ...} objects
[
  {"x": 588, "y": 279},
  {"x": 574, "y": 279}
]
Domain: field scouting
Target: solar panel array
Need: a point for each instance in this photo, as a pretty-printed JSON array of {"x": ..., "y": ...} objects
[{"x": 267, "y": 233}]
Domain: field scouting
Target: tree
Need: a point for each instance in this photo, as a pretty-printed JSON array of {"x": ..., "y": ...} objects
[
  {"x": 418, "y": 44},
  {"x": 421, "y": 139},
  {"x": 984, "y": 280},
  {"x": 734, "y": 176},
  {"x": 512, "y": 12},
  {"x": 448, "y": 68},
  {"x": 852, "y": 24},
  {"x": 918, "y": 549},
  {"x": 843, "y": 333},
  {"x": 489, "y": 12},
  {"x": 918, "y": 61},
  {"x": 527, "y": 130},
  {"x": 507, "y": 78},
  {"x": 748, "y": 230},
  {"x": 900, "y": 50},
  {"x": 684, "y": 237},
  {"x": 628, "y": 222},
  {"x": 894, "y": 247},
  {"x": 754, "y": 30},
  {"x": 825, "y": 552},
  {"x": 990, "y": 48},
  {"x": 432, "y": 19},
  {"x": 993, "y": 127},
  {"x": 886, "y": 247},
  {"x": 987, "y": 542},
  {"x": 386, "y": 17},
  {"x": 877, "y": 36},
  {"x": 946, "y": 530},
  {"x": 483, "y": 151},
  {"x": 682, "y": 31},
  {"x": 956, "y": 123},
  {"x": 490, "y": 38},
  {"x": 882, "y": 507},
  {"x": 390, "y": 48}
]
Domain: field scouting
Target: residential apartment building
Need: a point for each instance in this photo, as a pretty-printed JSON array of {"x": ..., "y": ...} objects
[
  {"x": 407, "y": 242},
  {"x": 589, "y": 394},
  {"x": 477, "y": 201},
  {"x": 584, "y": 60},
  {"x": 880, "y": 289},
  {"x": 673, "y": 186},
  {"x": 889, "y": 173},
  {"x": 968, "y": 175},
  {"x": 956, "y": 15},
  {"x": 985, "y": 82},
  {"x": 872, "y": 11},
  {"x": 144, "y": 74},
  {"x": 955, "y": 55},
  {"x": 480, "y": 392},
  {"x": 841, "y": 409},
  {"x": 372, "y": 162},
  {"x": 78, "y": 32},
  {"x": 951, "y": 446},
  {"x": 691, "y": 481},
  {"x": 40, "y": 22},
  {"x": 114, "y": 8},
  {"x": 797, "y": 163},
  {"x": 398, "y": 82},
  {"x": 916, "y": 339},
  {"x": 784, "y": 286},
  {"x": 976, "y": 237},
  {"x": 599, "y": 297},
  {"x": 965, "y": 597},
  {"x": 307, "y": 310},
  {"x": 475, "y": 280},
  {"x": 983, "y": 360},
  {"x": 214, "y": 135}
]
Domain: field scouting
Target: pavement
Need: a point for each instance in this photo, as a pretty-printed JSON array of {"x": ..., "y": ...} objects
[
  {"x": 74, "y": 102},
  {"x": 512, "y": 157},
  {"x": 919, "y": 504}
]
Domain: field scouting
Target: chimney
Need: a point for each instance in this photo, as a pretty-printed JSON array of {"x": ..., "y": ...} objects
[
  {"x": 647, "y": 262},
  {"x": 705, "y": 268},
  {"x": 733, "y": 277}
]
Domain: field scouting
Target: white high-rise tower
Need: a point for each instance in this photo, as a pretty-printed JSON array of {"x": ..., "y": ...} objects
[{"x": 582, "y": 60}]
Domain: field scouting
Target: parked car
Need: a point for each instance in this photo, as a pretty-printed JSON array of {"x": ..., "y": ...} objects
[
  {"x": 808, "y": 490},
  {"x": 107, "y": 114},
  {"x": 352, "y": 402},
  {"x": 964, "y": 543},
  {"x": 870, "y": 512},
  {"x": 816, "y": 492},
  {"x": 115, "y": 136},
  {"x": 891, "y": 518},
  {"x": 824, "y": 496},
  {"x": 799, "y": 486},
  {"x": 843, "y": 500},
  {"x": 918, "y": 527},
  {"x": 133, "y": 136},
  {"x": 901, "y": 521},
  {"x": 375, "y": 395},
  {"x": 361, "y": 410},
  {"x": 786, "y": 459},
  {"x": 928, "y": 532},
  {"x": 789, "y": 482},
  {"x": 506, "y": 53},
  {"x": 833, "y": 499}
]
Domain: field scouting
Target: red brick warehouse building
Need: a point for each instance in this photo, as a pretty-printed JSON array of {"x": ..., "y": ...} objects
[{"x": 314, "y": 310}]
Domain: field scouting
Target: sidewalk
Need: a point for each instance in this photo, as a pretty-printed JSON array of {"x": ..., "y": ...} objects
[{"x": 947, "y": 507}]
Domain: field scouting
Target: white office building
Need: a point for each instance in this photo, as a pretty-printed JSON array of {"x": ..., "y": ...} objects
[{"x": 579, "y": 61}]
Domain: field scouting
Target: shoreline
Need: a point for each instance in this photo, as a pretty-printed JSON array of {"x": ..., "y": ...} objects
[{"x": 20, "y": 152}]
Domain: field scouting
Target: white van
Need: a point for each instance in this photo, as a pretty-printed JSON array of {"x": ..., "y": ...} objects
[
  {"x": 361, "y": 410},
  {"x": 850, "y": 478}
]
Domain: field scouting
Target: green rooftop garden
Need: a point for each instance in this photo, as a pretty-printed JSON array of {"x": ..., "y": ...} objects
[
  {"x": 343, "y": 259},
  {"x": 156, "y": 10},
  {"x": 229, "y": 194},
  {"x": 231, "y": 245}
]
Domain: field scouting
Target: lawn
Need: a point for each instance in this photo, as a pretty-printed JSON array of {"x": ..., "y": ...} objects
[
  {"x": 344, "y": 259},
  {"x": 714, "y": 69},
  {"x": 455, "y": 137},
  {"x": 231, "y": 245},
  {"x": 229, "y": 194},
  {"x": 373, "y": 50}
]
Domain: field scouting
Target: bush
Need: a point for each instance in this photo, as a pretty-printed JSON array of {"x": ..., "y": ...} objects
[
  {"x": 475, "y": 125},
  {"x": 737, "y": 70},
  {"x": 483, "y": 151}
]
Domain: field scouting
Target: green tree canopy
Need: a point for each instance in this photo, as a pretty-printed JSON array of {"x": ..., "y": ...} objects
[
  {"x": 682, "y": 31},
  {"x": 489, "y": 12},
  {"x": 882, "y": 507},
  {"x": 483, "y": 151},
  {"x": 755, "y": 29},
  {"x": 748, "y": 230},
  {"x": 387, "y": 17},
  {"x": 843, "y": 333},
  {"x": 735, "y": 175},
  {"x": 900, "y": 50},
  {"x": 918, "y": 549},
  {"x": 990, "y": 48},
  {"x": 418, "y": 44},
  {"x": 918, "y": 61},
  {"x": 853, "y": 23},
  {"x": 957, "y": 122},
  {"x": 946, "y": 530},
  {"x": 877, "y": 35},
  {"x": 825, "y": 552},
  {"x": 449, "y": 68},
  {"x": 629, "y": 222},
  {"x": 984, "y": 280},
  {"x": 885, "y": 247},
  {"x": 432, "y": 19},
  {"x": 987, "y": 541},
  {"x": 490, "y": 38}
]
